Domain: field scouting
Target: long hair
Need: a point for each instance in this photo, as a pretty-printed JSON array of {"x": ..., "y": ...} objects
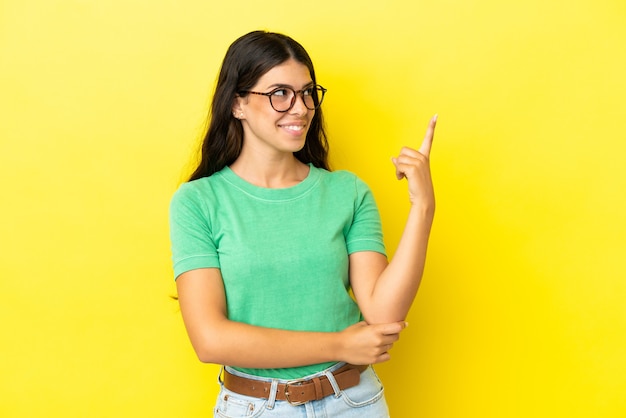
[{"x": 247, "y": 60}]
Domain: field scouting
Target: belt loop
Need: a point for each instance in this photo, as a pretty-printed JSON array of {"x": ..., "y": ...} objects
[
  {"x": 319, "y": 392},
  {"x": 333, "y": 383},
  {"x": 272, "y": 395}
]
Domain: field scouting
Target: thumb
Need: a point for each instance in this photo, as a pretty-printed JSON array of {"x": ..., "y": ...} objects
[{"x": 393, "y": 327}]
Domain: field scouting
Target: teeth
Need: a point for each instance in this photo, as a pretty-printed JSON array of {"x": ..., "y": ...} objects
[{"x": 293, "y": 127}]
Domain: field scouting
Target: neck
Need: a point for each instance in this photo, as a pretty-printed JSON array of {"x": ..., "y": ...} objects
[{"x": 274, "y": 174}]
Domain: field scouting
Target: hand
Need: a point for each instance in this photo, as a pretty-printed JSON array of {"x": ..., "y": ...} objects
[
  {"x": 415, "y": 167},
  {"x": 369, "y": 344}
]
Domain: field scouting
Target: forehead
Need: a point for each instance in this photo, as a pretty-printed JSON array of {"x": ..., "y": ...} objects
[{"x": 291, "y": 73}]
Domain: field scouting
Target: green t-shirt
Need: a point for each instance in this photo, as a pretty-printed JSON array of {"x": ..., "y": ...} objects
[{"x": 282, "y": 253}]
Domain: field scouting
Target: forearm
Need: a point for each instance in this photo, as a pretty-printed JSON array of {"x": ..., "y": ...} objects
[
  {"x": 395, "y": 288},
  {"x": 256, "y": 347},
  {"x": 244, "y": 345},
  {"x": 386, "y": 293}
]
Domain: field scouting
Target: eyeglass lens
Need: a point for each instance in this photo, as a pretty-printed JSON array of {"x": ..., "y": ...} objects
[{"x": 284, "y": 98}]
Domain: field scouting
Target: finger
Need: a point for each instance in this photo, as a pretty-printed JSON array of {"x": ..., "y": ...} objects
[
  {"x": 382, "y": 358},
  {"x": 399, "y": 173},
  {"x": 428, "y": 138},
  {"x": 406, "y": 162},
  {"x": 392, "y": 328},
  {"x": 410, "y": 167},
  {"x": 389, "y": 340}
]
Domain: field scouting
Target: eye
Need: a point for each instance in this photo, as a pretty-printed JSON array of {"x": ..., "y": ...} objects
[
  {"x": 280, "y": 93},
  {"x": 309, "y": 91}
]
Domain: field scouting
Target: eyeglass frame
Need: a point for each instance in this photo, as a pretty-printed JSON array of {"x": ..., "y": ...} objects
[{"x": 293, "y": 99}]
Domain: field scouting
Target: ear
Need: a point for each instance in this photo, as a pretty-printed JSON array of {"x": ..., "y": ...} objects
[{"x": 238, "y": 108}]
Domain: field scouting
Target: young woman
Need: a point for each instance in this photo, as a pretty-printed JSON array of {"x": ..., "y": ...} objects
[{"x": 267, "y": 243}]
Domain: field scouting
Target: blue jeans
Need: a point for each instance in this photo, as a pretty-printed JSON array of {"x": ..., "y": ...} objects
[{"x": 366, "y": 400}]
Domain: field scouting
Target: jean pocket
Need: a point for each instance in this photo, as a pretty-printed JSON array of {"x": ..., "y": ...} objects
[
  {"x": 233, "y": 405},
  {"x": 369, "y": 390}
]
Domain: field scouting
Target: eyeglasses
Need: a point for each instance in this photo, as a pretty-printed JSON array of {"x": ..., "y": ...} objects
[{"x": 282, "y": 99}]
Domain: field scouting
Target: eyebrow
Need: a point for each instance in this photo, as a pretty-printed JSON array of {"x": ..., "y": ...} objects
[{"x": 279, "y": 85}]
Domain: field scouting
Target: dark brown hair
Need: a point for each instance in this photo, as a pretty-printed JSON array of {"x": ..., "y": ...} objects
[{"x": 247, "y": 60}]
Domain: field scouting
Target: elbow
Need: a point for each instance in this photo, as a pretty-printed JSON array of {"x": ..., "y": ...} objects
[
  {"x": 384, "y": 319},
  {"x": 205, "y": 357},
  {"x": 385, "y": 315},
  {"x": 204, "y": 354},
  {"x": 208, "y": 352}
]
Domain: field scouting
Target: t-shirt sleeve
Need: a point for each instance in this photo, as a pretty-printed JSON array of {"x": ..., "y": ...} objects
[
  {"x": 191, "y": 238},
  {"x": 365, "y": 233}
]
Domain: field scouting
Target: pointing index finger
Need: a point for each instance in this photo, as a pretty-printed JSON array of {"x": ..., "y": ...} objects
[{"x": 428, "y": 138}]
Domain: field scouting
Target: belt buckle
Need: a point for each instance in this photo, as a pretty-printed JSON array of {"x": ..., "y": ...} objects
[{"x": 286, "y": 392}]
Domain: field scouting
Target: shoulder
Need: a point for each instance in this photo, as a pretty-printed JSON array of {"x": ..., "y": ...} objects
[
  {"x": 190, "y": 190},
  {"x": 338, "y": 176},
  {"x": 343, "y": 179},
  {"x": 196, "y": 193}
]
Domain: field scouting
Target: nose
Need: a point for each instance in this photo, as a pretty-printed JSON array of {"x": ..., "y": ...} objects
[{"x": 298, "y": 107}]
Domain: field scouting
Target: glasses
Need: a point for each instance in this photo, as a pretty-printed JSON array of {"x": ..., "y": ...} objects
[{"x": 282, "y": 99}]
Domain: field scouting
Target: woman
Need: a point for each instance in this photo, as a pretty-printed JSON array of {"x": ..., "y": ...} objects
[{"x": 267, "y": 243}]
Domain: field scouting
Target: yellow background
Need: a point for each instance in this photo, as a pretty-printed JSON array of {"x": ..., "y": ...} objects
[{"x": 522, "y": 310}]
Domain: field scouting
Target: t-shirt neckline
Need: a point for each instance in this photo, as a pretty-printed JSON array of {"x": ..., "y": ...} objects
[{"x": 266, "y": 193}]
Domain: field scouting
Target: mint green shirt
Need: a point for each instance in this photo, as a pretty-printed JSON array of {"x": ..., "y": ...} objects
[{"x": 282, "y": 253}]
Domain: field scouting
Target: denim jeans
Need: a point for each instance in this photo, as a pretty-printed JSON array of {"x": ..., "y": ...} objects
[{"x": 366, "y": 400}]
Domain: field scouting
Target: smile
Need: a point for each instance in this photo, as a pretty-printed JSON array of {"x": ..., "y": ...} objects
[{"x": 293, "y": 128}]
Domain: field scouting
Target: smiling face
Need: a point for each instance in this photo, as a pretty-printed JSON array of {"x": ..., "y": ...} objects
[{"x": 266, "y": 130}]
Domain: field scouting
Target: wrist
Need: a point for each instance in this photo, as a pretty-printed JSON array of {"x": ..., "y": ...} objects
[
  {"x": 336, "y": 346},
  {"x": 423, "y": 209}
]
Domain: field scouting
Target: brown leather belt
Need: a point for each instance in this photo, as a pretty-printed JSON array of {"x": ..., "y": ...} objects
[{"x": 295, "y": 392}]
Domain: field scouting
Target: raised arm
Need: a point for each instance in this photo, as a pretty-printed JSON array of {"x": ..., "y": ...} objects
[
  {"x": 385, "y": 291},
  {"x": 216, "y": 339}
]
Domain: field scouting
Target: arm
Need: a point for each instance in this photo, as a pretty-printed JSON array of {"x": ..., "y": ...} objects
[
  {"x": 385, "y": 291},
  {"x": 216, "y": 339}
]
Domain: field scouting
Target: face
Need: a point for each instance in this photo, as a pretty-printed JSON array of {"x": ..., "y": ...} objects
[{"x": 266, "y": 130}]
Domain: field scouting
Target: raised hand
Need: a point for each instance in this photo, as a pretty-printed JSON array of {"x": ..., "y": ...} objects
[{"x": 414, "y": 165}]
